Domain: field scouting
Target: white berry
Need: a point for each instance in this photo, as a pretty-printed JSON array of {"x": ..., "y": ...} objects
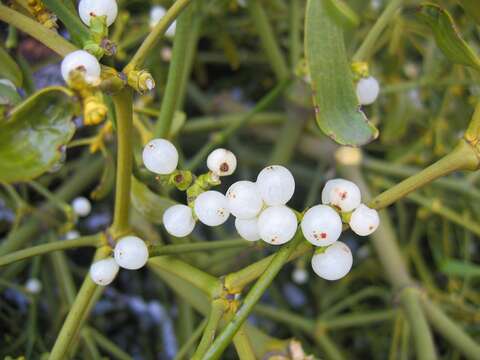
[
  {"x": 72, "y": 234},
  {"x": 103, "y": 272},
  {"x": 157, "y": 12},
  {"x": 178, "y": 220},
  {"x": 222, "y": 162},
  {"x": 244, "y": 200},
  {"x": 211, "y": 208},
  {"x": 89, "y": 8},
  {"x": 364, "y": 220},
  {"x": 82, "y": 61},
  {"x": 131, "y": 253},
  {"x": 160, "y": 156},
  {"x": 171, "y": 29},
  {"x": 277, "y": 224},
  {"x": 367, "y": 90},
  {"x": 334, "y": 263},
  {"x": 248, "y": 228},
  {"x": 321, "y": 225},
  {"x": 299, "y": 276},
  {"x": 33, "y": 286},
  {"x": 342, "y": 194},
  {"x": 276, "y": 185},
  {"x": 81, "y": 206}
]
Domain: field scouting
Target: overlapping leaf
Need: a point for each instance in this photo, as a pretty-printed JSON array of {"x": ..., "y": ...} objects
[
  {"x": 32, "y": 136},
  {"x": 337, "y": 110},
  {"x": 147, "y": 203},
  {"x": 447, "y": 36}
]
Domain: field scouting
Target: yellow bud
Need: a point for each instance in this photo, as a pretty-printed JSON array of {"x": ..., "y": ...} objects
[
  {"x": 346, "y": 155},
  {"x": 94, "y": 110},
  {"x": 141, "y": 80},
  {"x": 360, "y": 69}
]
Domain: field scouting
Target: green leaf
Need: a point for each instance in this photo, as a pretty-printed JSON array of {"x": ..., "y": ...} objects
[
  {"x": 9, "y": 68},
  {"x": 32, "y": 137},
  {"x": 459, "y": 268},
  {"x": 472, "y": 9},
  {"x": 105, "y": 186},
  {"x": 342, "y": 13},
  {"x": 337, "y": 110},
  {"x": 447, "y": 36},
  {"x": 147, "y": 203},
  {"x": 8, "y": 95}
]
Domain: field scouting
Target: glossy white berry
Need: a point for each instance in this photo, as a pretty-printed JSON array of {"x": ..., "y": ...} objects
[
  {"x": 364, "y": 220},
  {"x": 33, "y": 286},
  {"x": 160, "y": 156},
  {"x": 81, "y": 206},
  {"x": 321, "y": 225},
  {"x": 367, "y": 90},
  {"x": 171, "y": 29},
  {"x": 103, "y": 272},
  {"x": 82, "y": 61},
  {"x": 276, "y": 185},
  {"x": 131, "y": 253},
  {"x": 277, "y": 224},
  {"x": 342, "y": 194},
  {"x": 89, "y": 8},
  {"x": 72, "y": 234},
  {"x": 244, "y": 200},
  {"x": 178, "y": 220},
  {"x": 211, "y": 208},
  {"x": 222, "y": 162},
  {"x": 299, "y": 276},
  {"x": 248, "y": 228},
  {"x": 334, "y": 263}
]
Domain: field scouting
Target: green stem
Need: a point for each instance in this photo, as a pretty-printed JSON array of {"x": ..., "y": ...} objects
[
  {"x": 72, "y": 187},
  {"x": 182, "y": 353},
  {"x": 425, "y": 348},
  {"x": 217, "y": 310},
  {"x": 71, "y": 21},
  {"x": 450, "y": 330},
  {"x": 162, "y": 250},
  {"x": 243, "y": 345},
  {"x": 365, "y": 50},
  {"x": 358, "y": 319},
  {"x": 295, "y": 33},
  {"x": 267, "y": 37},
  {"x": 86, "y": 241},
  {"x": 201, "y": 280},
  {"x": 47, "y": 37},
  {"x": 225, "y": 337},
  {"x": 236, "y": 281},
  {"x": 286, "y": 317},
  {"x": 175, "y": 74},
  {"x": 463, "y": 157},
  {"x": 226, "y": 133},
  {"x": 74, "y": 318},
  {"x": 123, "y": 113},
  {"x": 156, "y": 34},
  {"x": 331, "y": 350},
  {"x": 108, "y": 346}
]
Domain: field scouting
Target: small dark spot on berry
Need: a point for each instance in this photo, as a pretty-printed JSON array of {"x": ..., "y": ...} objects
[
  {"x": 323, "y": 235},
  {"x": 224, "y": 167},
  {"x": 178, "y": 178}
]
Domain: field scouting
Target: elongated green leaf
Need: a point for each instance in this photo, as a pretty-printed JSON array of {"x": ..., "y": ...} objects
[
  {"x": 337, "y": 110},
  {"x": 8, "y": 94},
  {"x": 460, "y": 268},
  {"x": 9, "y": 68},
  {"x": 447, "y": 36},
  {"x": 32, "y": 137},
  {"x": 105, "y": 186},
  {"x": 342, "y": 13},
  {"x": 472, "y": 9},
  {"x": 149, "y": 204}
]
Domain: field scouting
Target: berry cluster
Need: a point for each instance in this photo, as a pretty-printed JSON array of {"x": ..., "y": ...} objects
[
  {"x": 130, "y": 253},
  {"x": 260, "y": 208}
]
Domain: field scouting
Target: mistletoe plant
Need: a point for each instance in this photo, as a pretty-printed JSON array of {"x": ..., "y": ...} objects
[{"x": 167, "y": 178}]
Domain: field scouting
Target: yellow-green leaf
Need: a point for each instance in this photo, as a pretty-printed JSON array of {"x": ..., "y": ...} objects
[
  {"x": 9, "y": 68},
  {"x": 32, "y": 136},
  {"x": 337, "y": 110},
  {"x": 147, "y": 203},
  {"x": 447, "y": 36},
  {"x": 342, "y": 13}
]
